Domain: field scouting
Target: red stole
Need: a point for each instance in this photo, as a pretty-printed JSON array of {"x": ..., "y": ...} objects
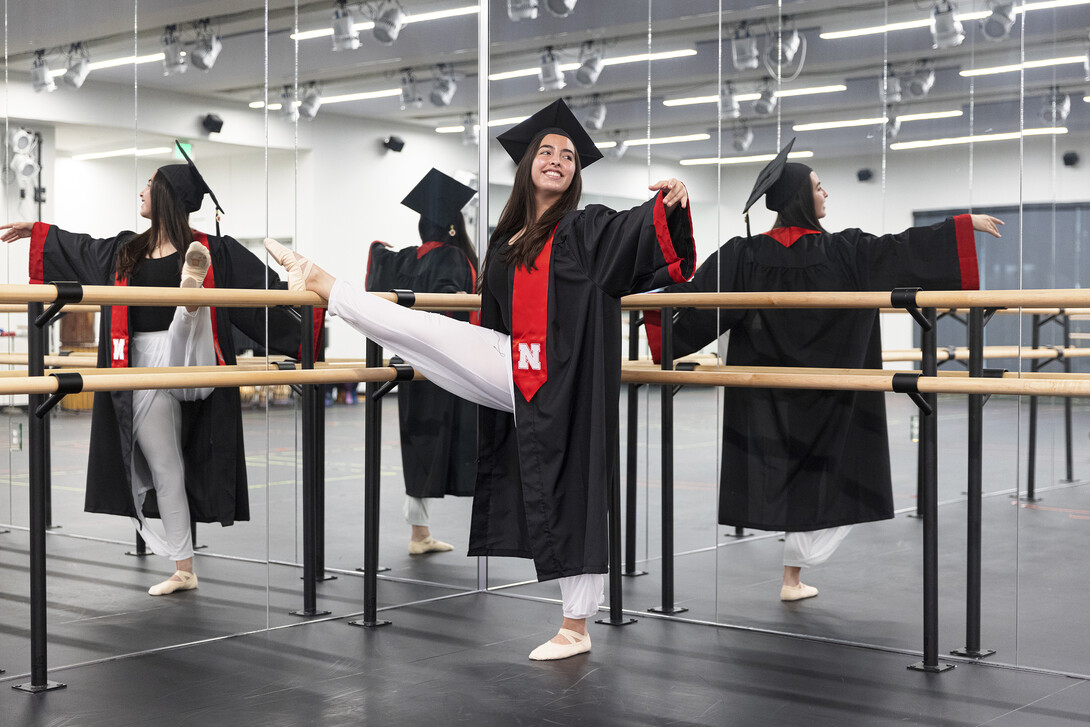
[
  {"x": 529, "y": 323},
  {"x": 119, "y": 318}
]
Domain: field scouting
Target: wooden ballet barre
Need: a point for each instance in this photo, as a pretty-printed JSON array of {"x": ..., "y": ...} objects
[
  {"x": 962, "y": 353},
  {"x": 939, "y": 299},
  {"x": 243, "y": 365},
  {"x": 74, "y": 308}
]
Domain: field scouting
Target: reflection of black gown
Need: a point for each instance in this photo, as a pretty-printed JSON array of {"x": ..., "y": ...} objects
[
  {"x": 438, "y": 429},
  {"x": 542, "y": 487},
  {"x": 801, "y": 460},
  {"x": 215, "y": 463}
]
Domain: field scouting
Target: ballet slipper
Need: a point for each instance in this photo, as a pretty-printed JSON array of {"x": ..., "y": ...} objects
[
  {"x": 577, "y": 644},
  {"x": 187, "y": 582},
  {"x": 297, "y": 266},
  {"x": 797, "y": 593},
  {"x": 197, "y": 263},
  {"x": 428, "y": 545}
]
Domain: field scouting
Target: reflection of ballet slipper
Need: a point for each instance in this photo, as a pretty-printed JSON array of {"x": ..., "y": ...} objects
[
  {"x": 197, "y": 263},
  {"x": 577, "y": 644},
  {"x": 297, "y": 266},
  {"x": 797, "y": 593},
  {"x": 187, "y": 582},
  {"x": 428, "y": 545}
]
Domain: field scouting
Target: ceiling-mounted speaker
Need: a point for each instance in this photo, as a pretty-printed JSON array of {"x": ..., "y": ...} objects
[
  {"x": 212, "y": 123},
  {"x": 394, "y": 143},
  {"x": 1071, "y": 158}
]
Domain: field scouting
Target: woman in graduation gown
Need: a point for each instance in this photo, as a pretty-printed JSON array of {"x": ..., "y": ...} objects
[
  {"x": 811, "y": 463},
  {"x": 173, "y": 455},
  {"x": 438, "y": 429},
  {"x": 545, "y": 363}
]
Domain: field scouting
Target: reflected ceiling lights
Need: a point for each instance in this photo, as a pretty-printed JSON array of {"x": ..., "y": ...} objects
[
  {"x": 1021, "y": 66},
  {"x": 521, "y": 10},
  {"x": 1056, "y": 108},
  {"x": 345, "y": 35},
  {"x": 745, "y": 160},
  {"x": 997, "y": 26},
  {"x": 23, "y": 167},
  {"x": 754, "y": 96},
  {"x": 979, "y": 138},
  {"x": 743, "y": 50},
  {"x": 596, "y": 116},
  {"x": 891, "y": 90},
  {"x": 591, "y": 64},
  {"x": 550, "y": 76},
  {"x": 765, "y": 103},
  {"x": 494, "y": 122},
  {"x": 39, "y": 74},
  {"x": 174, "y": 57},
  {"x": 616, "y": 148},
  {"x": 946, "y": 30},
  {"x": 470, "y": 129},
  {"x": 920, "y": 83},
  {"x": 311, "y": 102},
  {"x": 787, "y": 42},
  {"x": 123, "y": 153},
  {"x": 79, "y": 65},
  {"x": 743, "y": 138},
  {"x": 849, "y": 123},
  {"x": 893, "y": 128},
  {"x": 368, "y": 25},
  {"x": 289, "y": 107},
  {"x": 443, "y": 87},
  {"x": 207, "y": 47},
  {"x": 389, "y": 20},
  {"x": 522, "y": 72},
  {"x": 560, "y": 8},
  {"x": 729, "y": 107},
  {"x": 658, "y": 140},
  {"x": 409, "y": 95}
]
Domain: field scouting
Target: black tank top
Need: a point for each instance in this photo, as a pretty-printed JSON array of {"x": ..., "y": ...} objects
[
  {"x": 498, "y": 281},
  {"x": 162, "y": 272}
]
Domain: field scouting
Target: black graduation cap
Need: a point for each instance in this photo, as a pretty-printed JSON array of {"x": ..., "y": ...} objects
[
  {"x": 187, "y": 183},
  {"x": 555, "y": 118},
  {"x": 438, "y": 197},
  {"x": 779, "y": 181}
]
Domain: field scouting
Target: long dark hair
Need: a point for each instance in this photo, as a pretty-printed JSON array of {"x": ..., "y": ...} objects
[
  {"x": 169, "y": 219},
  {"x": 431, "y": 232},
  {"x": 521, "y": 207},
  {"x": 799, "y": 210}
]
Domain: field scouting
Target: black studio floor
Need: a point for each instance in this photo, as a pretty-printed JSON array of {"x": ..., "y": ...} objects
[{"x": 231, "y": 654}]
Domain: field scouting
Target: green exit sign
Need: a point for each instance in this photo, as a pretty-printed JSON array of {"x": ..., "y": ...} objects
[{"x": 188, "y": 150}]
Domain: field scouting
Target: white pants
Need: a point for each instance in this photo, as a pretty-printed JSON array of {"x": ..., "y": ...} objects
[
  {"x": 814, "y": 547},
  {"x": 466, "y": 360},
  {"x": 157, "y": 461},
  {"x": 416, "y": 511}
]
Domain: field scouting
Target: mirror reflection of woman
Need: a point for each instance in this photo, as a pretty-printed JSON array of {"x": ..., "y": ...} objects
[
  {"x": 176, "y": 455},
  {"x": 811, "y": 463},
  {"x": 544, "y": 365}
]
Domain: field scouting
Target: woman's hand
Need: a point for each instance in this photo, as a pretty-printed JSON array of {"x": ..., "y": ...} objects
[
  {"x": 987, "y": 223},
  {"x": 16, "y": 231},
  {"x": 674, "y": 192}
]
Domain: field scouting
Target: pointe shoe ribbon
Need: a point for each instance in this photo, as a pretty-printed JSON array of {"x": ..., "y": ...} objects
[
  {"x": 428, "y": 545},
  {"x": 187, "y": 583},
  {"x": 797, "y": 593},
  {"x": 549, "y": 651},
  {"x": 297, "y": 266},
  {"x": 197, "y": 262}
]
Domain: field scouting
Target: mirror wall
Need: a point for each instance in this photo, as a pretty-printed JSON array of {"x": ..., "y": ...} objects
[{"x": 311, "y": 130}]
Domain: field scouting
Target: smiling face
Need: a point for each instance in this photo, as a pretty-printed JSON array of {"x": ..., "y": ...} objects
[
  {"x": 554, "y": 167},
  {"x": 819, "y": 195},
  {"x": 145, "y": 200}
]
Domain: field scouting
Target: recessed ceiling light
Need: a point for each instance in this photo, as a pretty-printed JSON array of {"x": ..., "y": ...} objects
[{"x": 745, "y": 160}]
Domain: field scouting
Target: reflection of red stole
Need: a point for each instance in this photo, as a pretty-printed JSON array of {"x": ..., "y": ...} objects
[
  {"x": 530, "y": 322},
  {"x": 119, "y": 318}
]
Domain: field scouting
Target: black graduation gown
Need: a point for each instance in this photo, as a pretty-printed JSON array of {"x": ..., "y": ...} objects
[
  {"x": 438, "y": 429},
  {"x": 542, "y": 487},
  {"x": 801, "y": 460},
  {"x": 212, "y": 445}
]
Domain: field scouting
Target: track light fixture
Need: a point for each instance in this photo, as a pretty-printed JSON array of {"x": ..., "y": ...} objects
[
  {"x": 743, "y": 138},
  {"x": 207, "y": 48},
  {"x": 946, "y": 30},
  {"x": 590, "y": 65},
  {"x": 409, "y": 95},
  {"x": 766, "y": 103},
  {"x": 311, "y": 101},
  {"x": 560, "y": 8},
  {"x": 1056, "y": 107},
  {"x": 174, "y": 55},
  {"x": 470, "y": 128},
  {"x": 743, "y": 50},
  {"x": 345, "y": 35},
  {"x": 729, "y": 108},
  {"x": 550, "y": 77},
  {"x": 891, "y": 89},
  {"x": 785, "y": 47},
  {"x": 596, "y": 116},
  {"x": 21, "y": 141},
  {"x": 997, "y": 26},
  {"x": 389, "y": 20},
  {"x": 619, "y": 147},
  {"x": 39, "y": 73},
  {"x": 288, "y": 106},
  {"x": 893, "y": 127},
  {"x": 919, "y": 84},
  {"x": 24, "y": 167},
  {"x": 1086, "y": 65},
  {"x": 78, "y": 66},
  {"x": 521, "y": 10},
  {"x": 443, "y": 87}
]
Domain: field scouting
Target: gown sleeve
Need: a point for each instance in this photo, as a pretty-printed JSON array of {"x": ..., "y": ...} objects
[
  {"x": 634, "y": 250},
  {"x": 284, "y": 323},
  {"x": 695, "y": 328},
  {"x": 57, "y": 254},
  {"x": 935, "y": 257}
]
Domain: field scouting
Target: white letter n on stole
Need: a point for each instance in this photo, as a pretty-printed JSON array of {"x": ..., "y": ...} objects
[
  {"x": 530, "y": 356},
  {"x": 119, "y": 349}
]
